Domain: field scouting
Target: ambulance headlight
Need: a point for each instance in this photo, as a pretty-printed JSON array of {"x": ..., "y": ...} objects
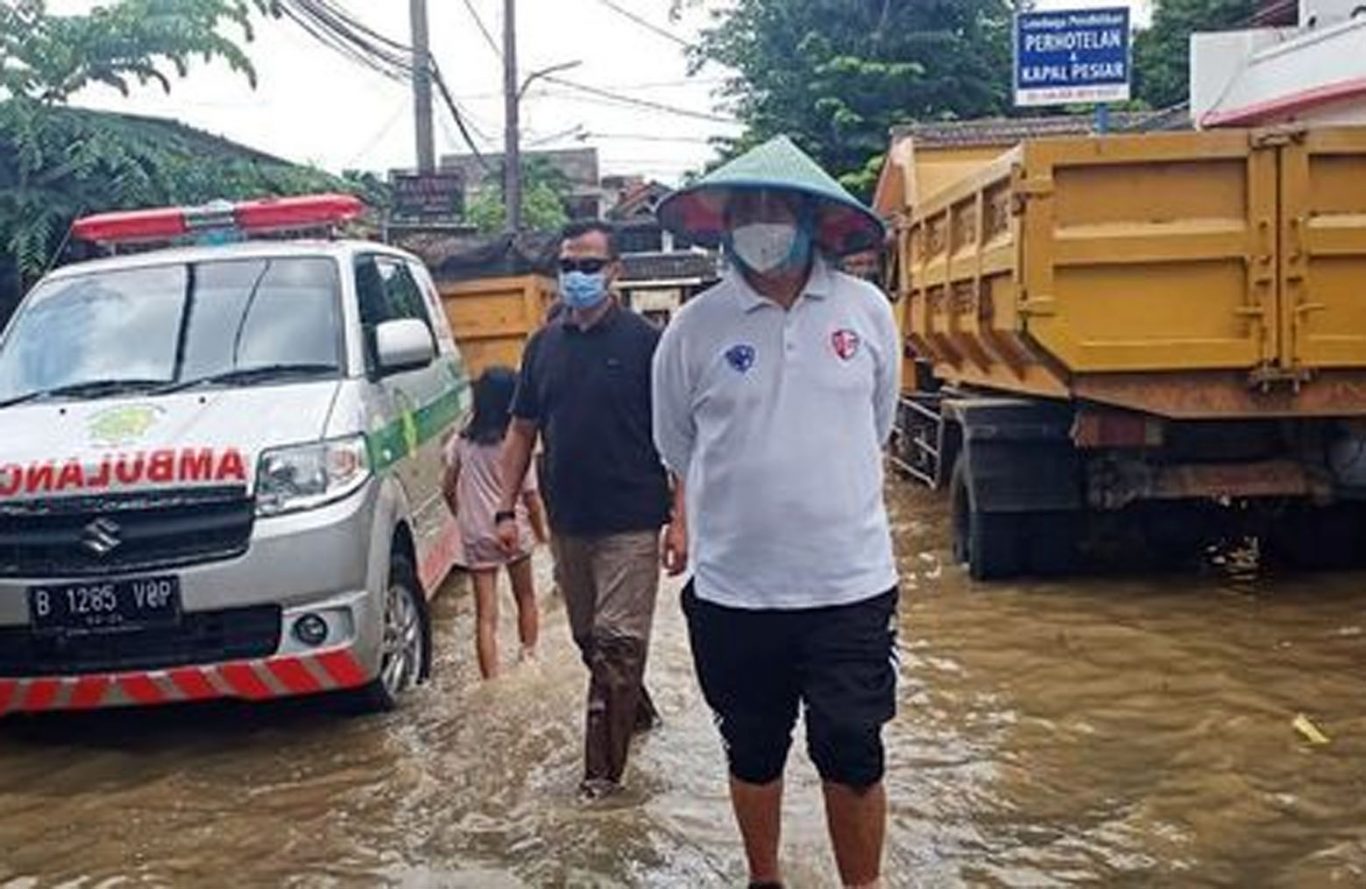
[{"x": 307, "y": 476}]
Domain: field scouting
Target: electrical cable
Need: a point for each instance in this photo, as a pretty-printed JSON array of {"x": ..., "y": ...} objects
[
  {"x": 645, "y": 23},
  {"x": 639, "y": 103},
  {"x": 483, "y": 29},
  {"x": 339, "y": 30}
]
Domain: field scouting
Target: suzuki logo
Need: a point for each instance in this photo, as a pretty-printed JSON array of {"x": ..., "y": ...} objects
[{"x": 101, "y": 537}]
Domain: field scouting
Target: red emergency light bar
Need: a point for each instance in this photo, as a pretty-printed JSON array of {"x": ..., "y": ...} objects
[{"x": 248, "y": 217}]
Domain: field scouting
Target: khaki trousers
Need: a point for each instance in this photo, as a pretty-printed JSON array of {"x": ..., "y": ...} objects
[{"x": 610, "y": 584}]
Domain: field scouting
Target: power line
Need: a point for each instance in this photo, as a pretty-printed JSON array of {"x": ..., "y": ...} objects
[
  {"x": 645, "y": 23},
  {"x": 483, "y": 29},
  {"x": 342, "y": 32},
  {"x": 379, "y": 135},
  {"x": 639, "y": 103},
  {"x": 620, "y": 87},
  {"x": 641, "y": 137}
]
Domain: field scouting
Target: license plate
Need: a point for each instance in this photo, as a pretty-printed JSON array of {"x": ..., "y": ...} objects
[{"x": 105, "y": 605}]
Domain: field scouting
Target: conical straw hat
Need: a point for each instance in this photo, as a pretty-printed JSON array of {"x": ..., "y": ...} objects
[{"x": 843, "y": 224}]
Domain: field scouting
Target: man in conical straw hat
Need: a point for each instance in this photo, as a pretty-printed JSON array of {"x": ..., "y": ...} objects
[{"x": 774, "y": 394}]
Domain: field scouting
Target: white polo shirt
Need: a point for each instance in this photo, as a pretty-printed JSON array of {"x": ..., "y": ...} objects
[{"x": 776, "y": 420}]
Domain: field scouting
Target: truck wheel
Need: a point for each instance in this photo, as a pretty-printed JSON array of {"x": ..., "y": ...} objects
[
  {"x": 1324, "y": 538},
  {"x": 405, "y": 641},
  {"x": 988, "y": 543},
  {"x": 1052, "y": 542}
]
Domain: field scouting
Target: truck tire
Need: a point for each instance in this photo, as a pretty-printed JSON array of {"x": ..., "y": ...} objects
[
  {"x": 988, "y": 543},
  {"x": 1322, "y": 538},
  {"x": 1051, "y": 548},
  {"x": 405, "y": 648}
]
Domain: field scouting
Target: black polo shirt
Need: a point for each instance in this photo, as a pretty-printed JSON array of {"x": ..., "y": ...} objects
[{"x": 588, "y": 391}]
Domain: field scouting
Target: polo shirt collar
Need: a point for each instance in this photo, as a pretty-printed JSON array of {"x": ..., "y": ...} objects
[
  {"x": 604, "y": 323},
  {"x": 818, "y": 286}
]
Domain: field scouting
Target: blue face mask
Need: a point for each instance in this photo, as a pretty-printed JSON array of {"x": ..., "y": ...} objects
[{"x": 580, "y": 290}]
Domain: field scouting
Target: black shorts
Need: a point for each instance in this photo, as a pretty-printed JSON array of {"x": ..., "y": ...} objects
[{"x": 757, "y": 667}]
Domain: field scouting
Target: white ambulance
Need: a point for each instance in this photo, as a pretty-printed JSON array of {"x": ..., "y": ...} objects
[{"x": 220, "y": 465}]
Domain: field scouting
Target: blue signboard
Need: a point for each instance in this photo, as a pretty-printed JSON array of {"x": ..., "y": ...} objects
[{"x": 1070, "y": 57}]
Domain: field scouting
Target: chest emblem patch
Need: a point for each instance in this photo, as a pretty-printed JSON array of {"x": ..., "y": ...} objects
[
  {"x": 741, "y": 357},
  {"x": 846, "y": 343}
]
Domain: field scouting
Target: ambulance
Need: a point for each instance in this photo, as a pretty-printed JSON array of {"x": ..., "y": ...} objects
[{"x": 220, "y": 464}]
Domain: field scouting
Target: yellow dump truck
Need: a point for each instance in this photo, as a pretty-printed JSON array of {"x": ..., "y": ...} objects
[
  {"x": 492, "y": 318},
  {"x": 1159, "y": 335}
]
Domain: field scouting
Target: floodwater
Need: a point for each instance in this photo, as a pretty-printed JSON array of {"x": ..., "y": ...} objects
[{"x": 1132, "y": 730}]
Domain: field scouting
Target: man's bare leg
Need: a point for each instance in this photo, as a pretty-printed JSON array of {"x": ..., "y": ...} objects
[
  {"x": 758, "y": 811},
  {"x": 858, "y": 827}
]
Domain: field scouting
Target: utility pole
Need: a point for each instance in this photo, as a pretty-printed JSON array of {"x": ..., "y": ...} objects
[
  {"x": 422, "y": 88},
  {"x": 512, "y": 153}
]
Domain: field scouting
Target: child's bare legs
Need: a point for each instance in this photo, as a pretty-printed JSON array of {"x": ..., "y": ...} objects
[
  {"x": 486, "y": 620},
  {"x": 528, "y": 617}
]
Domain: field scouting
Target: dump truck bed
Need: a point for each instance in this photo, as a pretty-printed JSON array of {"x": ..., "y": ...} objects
[
  {"x": 492, "y": 318},
  {"x": 1193, "y": 274}
]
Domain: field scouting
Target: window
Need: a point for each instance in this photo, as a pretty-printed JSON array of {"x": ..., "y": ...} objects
[
  {"x": 174, "y": 322},
  {"x": 387, "y": 291}
]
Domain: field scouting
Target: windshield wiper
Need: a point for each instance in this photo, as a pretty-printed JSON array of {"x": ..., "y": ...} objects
[
  {"x": 249, "y": 375},
  {"x": 87, "y": 389}
]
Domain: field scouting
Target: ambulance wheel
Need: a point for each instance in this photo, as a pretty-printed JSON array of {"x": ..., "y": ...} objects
[{"x": 405, "y": 646}]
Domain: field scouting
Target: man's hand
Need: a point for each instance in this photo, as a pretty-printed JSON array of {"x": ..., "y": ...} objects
[
  {"x": 675, "y": 556},
  {"x": 508, "y": 536}
]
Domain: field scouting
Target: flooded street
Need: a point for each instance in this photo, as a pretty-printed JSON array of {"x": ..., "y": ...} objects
[{"x": 1126, "y": 731}]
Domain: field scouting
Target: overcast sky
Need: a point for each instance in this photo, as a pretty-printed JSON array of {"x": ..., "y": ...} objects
[{"x": 314, "y": 105}]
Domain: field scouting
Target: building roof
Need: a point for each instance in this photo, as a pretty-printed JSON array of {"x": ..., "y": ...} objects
[
  {"x": 578, "y": 165},
  {"x": 201, "y": 142},
  {"x": 1011, "y": 130},
  {"x": 529, "y": 253},
  {"x": 639, "y": 201}
]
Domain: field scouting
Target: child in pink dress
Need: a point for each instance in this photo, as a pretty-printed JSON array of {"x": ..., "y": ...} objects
[{"x": 472, "y": 486}]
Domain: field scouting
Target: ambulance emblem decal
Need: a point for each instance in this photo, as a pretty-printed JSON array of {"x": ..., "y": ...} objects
[
  {"x": 740, "y": 357},
  {"x": 846, "y": 343}
]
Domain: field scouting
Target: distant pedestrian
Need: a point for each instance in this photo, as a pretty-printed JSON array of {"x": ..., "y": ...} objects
[
  {"x": 585, "y": 391},
  {"x": 774, "y": 394},
  {"x": 473, "y": 489}
]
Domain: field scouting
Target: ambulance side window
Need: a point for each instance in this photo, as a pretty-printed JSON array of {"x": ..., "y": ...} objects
[
  {"x": 386, "y": 291},
  {"x": 373, "y": 307}
]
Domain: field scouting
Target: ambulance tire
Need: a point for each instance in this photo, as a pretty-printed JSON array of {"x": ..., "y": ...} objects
[{"x": 407, "y": 645}]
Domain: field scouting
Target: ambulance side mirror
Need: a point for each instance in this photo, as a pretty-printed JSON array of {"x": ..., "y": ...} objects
[{"x": 404, "y": 344}]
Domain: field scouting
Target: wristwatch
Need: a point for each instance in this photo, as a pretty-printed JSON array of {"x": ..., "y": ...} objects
[{"x": 504, "y": 515}]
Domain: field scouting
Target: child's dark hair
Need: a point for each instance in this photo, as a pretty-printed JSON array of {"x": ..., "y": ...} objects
[{"x": 493, "y": 393}]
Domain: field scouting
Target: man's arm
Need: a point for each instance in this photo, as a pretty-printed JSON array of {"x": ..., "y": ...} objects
[
  {"x": 516, "y": 460},
  {"x": 671, "y": 404},
  {"x": 887, "y": 393},
  {"x": 676, "y": 534},
  {"x": 520, "y": 442}
]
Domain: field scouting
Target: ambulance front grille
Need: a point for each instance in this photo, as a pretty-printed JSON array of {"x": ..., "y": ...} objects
[{"x": 118, "y": 534}]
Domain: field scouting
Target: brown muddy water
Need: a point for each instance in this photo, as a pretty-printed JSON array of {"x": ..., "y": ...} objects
[{"x": 1119, "y": 731}]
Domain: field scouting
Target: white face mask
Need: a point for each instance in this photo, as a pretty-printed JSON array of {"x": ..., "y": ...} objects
[{"x": 764, "y": 246}]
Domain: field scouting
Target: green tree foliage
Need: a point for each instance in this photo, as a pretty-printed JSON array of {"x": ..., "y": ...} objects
[
  {"x": 1162, "y": 53},
  {"x": 57, "y": 163},
  {"x": 545, "y": 191},
  {"x": 50, "y": 57},
  {"x": 836, "y": 75}
]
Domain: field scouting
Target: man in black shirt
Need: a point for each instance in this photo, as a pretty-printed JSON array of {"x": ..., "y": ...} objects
[{"x": 585, "y": 389}]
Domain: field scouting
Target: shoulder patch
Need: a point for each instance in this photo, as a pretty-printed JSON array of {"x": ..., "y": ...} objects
[{"x": 741, "y": 357}]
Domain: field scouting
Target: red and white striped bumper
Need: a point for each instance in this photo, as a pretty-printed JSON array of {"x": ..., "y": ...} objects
[{"x": 256, "y": 680}]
